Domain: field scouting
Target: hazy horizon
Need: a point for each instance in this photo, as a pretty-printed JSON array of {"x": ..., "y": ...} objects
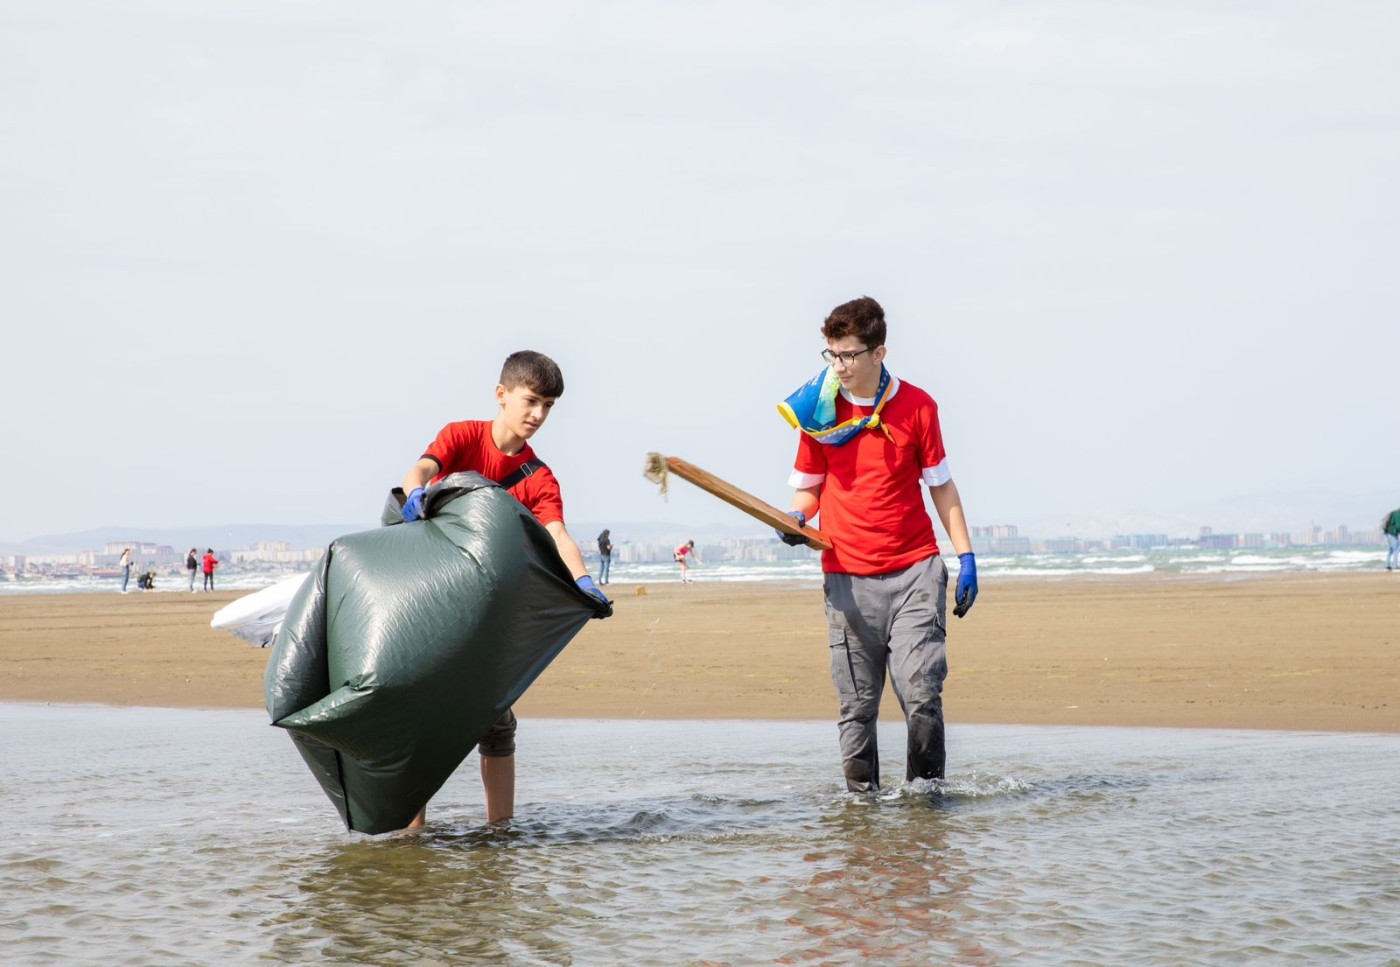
[
  {"x": 1272, "y": 514},
  {"x": 256, "y": 254}
]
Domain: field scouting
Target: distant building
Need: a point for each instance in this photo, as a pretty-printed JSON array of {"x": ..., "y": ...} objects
[
  {"x": 273, "y": 552},
  {"x": 143, "y": 554},
  {"x": 999, "y": 539},
  {"x": 1141, "y": 542}
]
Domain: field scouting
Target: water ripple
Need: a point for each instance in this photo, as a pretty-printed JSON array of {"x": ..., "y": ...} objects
[{"x": 1060, "y": 846}]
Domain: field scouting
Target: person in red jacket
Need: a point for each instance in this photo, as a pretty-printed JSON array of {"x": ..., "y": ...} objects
[
  {"x": 499, "y": 449},
  {"x": 210, "y": 562},
  {"x": 870, "y": 443}
]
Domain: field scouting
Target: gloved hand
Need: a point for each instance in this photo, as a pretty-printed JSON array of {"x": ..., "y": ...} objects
[
  {"x": 586, "y": 585},
  {"x": 967, "y": 584},
  {"x": 413, "y": 506},
  {"x": 793, "y": 540}
]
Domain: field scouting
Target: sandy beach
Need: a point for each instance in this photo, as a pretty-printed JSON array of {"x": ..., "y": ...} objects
[{"x": 1295, "y": 652}]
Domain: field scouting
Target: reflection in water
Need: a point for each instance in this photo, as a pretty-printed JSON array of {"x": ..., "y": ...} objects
[
  {"x": 886, "y": 888},
  {"x": 128, "y": 842},
  {"x": 433, "y": 897}
]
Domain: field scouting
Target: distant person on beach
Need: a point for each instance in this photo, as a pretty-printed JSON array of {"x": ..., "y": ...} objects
[
  {"x": 869, "y": 444},
  {"x": 604, "y": 556},
  {"x": 1391, "y": 526},
  {"x": 682, "y": 553},
  {"x": 147, "y": 581},
  {"x": 192, "y": 565},
  {"x": 499, "y": 449},
  {"x": 210, "y": 562},
  {"x": 125, "y": 564}
]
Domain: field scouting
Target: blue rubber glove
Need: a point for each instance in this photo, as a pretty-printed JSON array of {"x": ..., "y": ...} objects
[
  {"x": 413, "y": 506},
  {"x": 967, "y": 584},
  {"x": 793, "y": 540},
  {"x": 586, "y": 585}
]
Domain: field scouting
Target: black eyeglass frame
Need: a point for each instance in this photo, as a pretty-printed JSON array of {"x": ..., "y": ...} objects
[{"x": 846, "y": 358}]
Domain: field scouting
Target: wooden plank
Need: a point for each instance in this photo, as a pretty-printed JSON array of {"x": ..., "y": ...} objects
[{"x": 746, "y": 502}]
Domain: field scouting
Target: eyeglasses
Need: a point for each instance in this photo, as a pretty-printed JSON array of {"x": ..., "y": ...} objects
[{"x": 847, "y": 359}]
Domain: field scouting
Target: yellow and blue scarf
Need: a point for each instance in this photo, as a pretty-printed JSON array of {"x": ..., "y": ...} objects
[{"x": 812, "y": 409}]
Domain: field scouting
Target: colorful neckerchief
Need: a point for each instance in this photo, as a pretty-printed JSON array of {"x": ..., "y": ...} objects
[{"x": 812, "y": 409}]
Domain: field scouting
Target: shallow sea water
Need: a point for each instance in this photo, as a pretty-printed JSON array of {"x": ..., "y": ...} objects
[{"x": 154, "y": 836}]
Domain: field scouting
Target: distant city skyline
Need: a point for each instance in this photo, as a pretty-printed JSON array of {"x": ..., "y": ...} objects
[{"x": 993, "y": 538}]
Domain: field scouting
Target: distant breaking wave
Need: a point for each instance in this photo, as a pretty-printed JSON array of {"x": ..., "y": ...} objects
[{"x": 1097, "y": 564}]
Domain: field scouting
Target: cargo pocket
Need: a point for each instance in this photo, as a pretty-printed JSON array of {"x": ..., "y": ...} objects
[{"x": 843, "y": 674}]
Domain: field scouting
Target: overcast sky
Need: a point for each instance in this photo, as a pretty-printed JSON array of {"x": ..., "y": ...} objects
[{"x": 254, "y": 254}]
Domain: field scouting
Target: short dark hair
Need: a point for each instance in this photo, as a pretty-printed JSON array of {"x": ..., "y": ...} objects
[
  {"x": 534, "y": 370},
  {"x": 862, "y": 318}
]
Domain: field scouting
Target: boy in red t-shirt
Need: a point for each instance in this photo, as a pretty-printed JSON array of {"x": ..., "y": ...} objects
[
  {"x": 885, "y": 584},
  {"x": 210, "y": 562},
  {"x": 499, "y": 449}
]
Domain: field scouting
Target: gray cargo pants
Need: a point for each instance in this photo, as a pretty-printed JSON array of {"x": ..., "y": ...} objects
[{"x": 896, "y": 619}]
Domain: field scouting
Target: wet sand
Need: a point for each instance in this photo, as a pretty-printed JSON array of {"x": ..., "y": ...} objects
[{"x": 1294, "y": 652}]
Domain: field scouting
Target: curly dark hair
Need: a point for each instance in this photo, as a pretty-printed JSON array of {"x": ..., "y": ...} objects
[{"x": 862, "y": 318}]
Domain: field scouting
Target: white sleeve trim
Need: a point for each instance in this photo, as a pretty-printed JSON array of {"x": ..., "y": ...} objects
[
  {"x": 802, "y": 481},
  {"x": 934, "y": 476}
]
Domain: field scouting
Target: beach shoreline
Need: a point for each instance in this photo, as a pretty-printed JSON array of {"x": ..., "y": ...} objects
[{"x": 1289, "y": 652}]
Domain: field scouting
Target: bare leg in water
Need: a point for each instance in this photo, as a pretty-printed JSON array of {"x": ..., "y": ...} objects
[{"x": 498, "y": 781}]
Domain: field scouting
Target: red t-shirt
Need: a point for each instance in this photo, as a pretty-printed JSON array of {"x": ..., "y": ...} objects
[
  {"x": 872, "y": 498},
  {"x": 465, "y": 446}
]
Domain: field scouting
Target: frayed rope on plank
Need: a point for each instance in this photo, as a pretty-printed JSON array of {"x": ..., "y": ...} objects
[{"x": 656, "y": 471}]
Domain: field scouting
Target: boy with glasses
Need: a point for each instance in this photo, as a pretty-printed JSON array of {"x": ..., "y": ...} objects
[
  {"x": 499, "y": 449},
  {"x": 869, "y": 443}
]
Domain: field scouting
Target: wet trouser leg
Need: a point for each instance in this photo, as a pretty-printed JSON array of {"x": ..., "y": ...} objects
[
  {"x": 858, "y": 672},
  {"x": 919, "y": 665},
  {"x": 893, "y": 621}
]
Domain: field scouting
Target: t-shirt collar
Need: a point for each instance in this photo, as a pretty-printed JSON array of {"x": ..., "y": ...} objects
[{"x": 870, "y": 401}]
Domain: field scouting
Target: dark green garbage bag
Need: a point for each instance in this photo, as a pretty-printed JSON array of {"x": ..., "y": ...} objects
[{"x": 413, "y": 640}]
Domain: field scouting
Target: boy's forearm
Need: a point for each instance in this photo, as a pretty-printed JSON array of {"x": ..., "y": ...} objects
[
  {"x": 568, "y": 550},
  {"x": 418, "y": 475},
  {"x": 807, "y": 501},
  {"x": 948, "y": 502}
]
